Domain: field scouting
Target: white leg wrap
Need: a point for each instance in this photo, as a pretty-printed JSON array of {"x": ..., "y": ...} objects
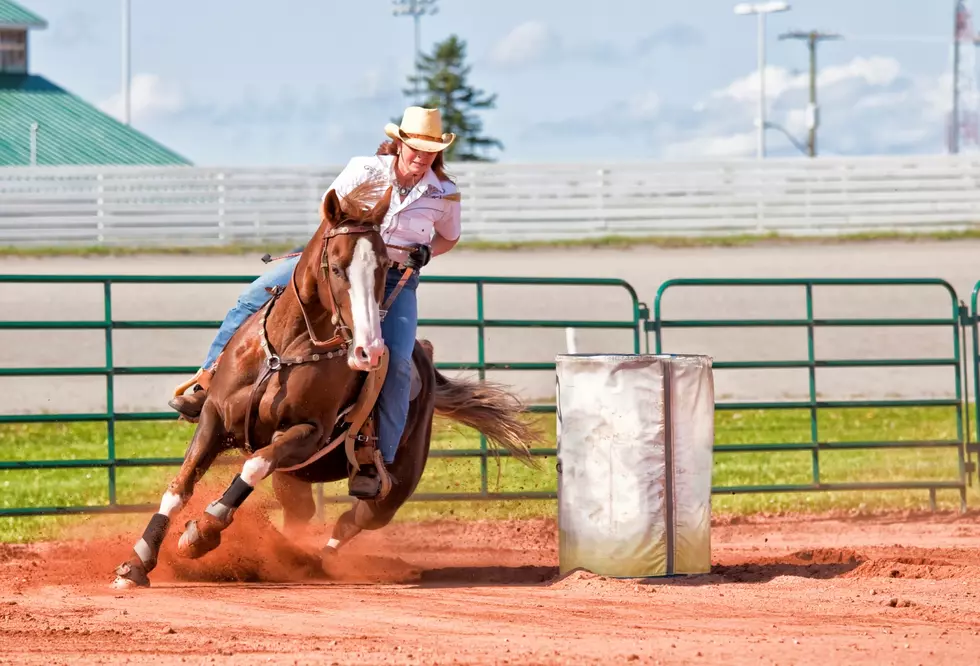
[
  {"x": 170, "y": 504},
  {"x": 255, "y": 469}
]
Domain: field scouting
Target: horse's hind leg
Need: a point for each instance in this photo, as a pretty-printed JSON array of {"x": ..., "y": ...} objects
[
  {"x": 375, "y": 514},
  {"x": 296, "y": 498},
  {"x": 296, "y": 443},
  {"x": 203, "y": 449},
  {"x": 364, "y": 515}
]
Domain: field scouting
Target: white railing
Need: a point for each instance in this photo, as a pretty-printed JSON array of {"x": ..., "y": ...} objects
[{"x": 501, "y": 202}]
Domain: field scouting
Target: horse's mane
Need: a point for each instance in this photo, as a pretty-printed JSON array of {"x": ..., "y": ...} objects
[{"x": 360, "y": 201}]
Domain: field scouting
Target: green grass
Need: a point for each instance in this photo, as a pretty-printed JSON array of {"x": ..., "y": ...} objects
[
  {"x": 612, "y": 241},
  {"x": 169, "y": 439}
]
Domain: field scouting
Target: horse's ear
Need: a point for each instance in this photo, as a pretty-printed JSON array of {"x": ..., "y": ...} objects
[
  {"x": 381, "y": 208},
  {"x": 330, "y": 210}
]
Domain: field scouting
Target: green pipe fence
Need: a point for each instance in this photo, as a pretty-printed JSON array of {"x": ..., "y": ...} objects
[
  {"x": 634, "y": 322},
  {"x": 972, "y": 319},
  {"x": 814, "y": 404},
  {"x": 638, "y": 321}
]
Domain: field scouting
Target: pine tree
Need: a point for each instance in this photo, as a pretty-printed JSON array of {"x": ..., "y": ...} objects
[{"x": 443, "y": 84}]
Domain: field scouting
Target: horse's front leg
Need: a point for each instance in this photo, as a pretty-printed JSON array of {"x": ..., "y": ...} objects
[
  {"x": 290, "y": 446},
  {"x": 201, "y": 453}
]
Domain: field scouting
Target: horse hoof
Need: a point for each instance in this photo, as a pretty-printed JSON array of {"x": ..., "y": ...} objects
[
  {"x": 329, "y": 560},
  {"x": 121, "y": 583},
  {"x": 130, "y": 576},
  {"x": 194, "y": 544}
]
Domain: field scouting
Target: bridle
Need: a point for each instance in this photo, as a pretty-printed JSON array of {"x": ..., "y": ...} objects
[{"x": 342, "y": 332}]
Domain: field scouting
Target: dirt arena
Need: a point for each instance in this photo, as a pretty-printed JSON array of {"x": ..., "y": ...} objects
[
  {"x": 892, "y": 588},
  {"x": 895, "y": 588}
]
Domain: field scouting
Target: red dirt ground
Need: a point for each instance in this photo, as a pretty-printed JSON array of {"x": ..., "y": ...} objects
[{"x": 894, "y": 588}]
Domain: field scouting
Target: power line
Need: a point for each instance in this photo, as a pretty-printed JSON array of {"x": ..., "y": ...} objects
[
  {"x": 812, "y": 38},
  {"x": 915, "y": 39}
]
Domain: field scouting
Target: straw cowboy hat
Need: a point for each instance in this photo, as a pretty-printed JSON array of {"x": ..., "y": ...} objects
[{"x": 421, "y": 129}]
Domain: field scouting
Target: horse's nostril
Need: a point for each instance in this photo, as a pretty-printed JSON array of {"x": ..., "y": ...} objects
[{"x": 361, "y": 354}]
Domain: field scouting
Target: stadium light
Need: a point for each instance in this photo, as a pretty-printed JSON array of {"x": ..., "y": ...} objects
[
  {"x": 416, "y": 9},
  {"x": 125, "y": 60},
  {"x": 761, "y": 10}
]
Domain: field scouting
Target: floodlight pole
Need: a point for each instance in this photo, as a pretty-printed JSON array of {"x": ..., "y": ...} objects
[
  {"x": 416, "y": 9},
  {"x": 125, "y": 60},
  {"x": 761, "y": 9}
]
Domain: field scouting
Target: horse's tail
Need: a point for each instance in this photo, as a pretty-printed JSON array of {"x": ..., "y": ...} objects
[{"x": 491, "y": 409}]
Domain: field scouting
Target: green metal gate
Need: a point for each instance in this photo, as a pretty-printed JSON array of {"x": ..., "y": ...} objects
[
  {"x": 637, "y": 320},
  {"x": 817, "y": 444},
  {"x": 973, "y": 321},
  {"x": 633, "y": 321}
]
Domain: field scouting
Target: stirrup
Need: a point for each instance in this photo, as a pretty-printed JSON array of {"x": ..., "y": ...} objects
[{"x": 374, "y": 471}]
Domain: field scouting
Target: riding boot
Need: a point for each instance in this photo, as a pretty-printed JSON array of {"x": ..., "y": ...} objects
[
  {"x": 372, "y": 481},
  {"x": 190, "y": 405},
  {"x": 365, "y": 484}
]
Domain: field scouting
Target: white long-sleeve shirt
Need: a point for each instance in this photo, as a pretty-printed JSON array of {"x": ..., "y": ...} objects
[{"x": 431, "y": 206}]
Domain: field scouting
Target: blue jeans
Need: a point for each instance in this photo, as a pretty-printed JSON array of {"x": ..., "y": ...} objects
[{"x": 398, "y": 329}]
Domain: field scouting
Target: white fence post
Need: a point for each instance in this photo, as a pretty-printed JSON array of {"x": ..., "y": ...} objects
[{"x": 221, "y": 207}]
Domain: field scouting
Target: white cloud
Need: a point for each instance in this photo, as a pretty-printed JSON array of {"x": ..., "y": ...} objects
[
  {"x": 535, "y": 43},
  {"x": 527, "y": 43},
  {"x": 868, "y": 105},
  {"x": 734, "y": 145},
  {"x": 646, "y": 105},
  {"x": 150, "y": 97},
  {"x": 746, "y": 89},
  {"x": 875, "y": 71}
]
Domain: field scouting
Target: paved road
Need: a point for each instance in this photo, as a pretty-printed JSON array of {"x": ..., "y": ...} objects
[{"x": 645, "y": 268}]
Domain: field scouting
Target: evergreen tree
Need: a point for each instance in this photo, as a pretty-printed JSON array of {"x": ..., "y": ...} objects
[{"x": 443, "y": 85}]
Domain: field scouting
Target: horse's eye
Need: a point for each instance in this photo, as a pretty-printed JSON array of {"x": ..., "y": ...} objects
[{"x": 337, "y": 271}]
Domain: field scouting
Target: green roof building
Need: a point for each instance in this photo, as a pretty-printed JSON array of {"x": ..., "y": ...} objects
[{"x": 44, "y": 124}]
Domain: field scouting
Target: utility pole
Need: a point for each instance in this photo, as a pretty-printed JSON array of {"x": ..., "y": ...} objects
[
  {"x": 416, "y": 9},
  {"x": 812, "y": 38}
]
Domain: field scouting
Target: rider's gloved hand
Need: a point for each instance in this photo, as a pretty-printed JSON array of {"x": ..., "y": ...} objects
[{"x": 418, "y": 257}]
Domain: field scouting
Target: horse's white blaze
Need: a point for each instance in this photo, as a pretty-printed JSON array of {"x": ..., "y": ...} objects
[
  {"x": 170, "y": 504},
  {"x": 255, "y": 469},
  {"x": 364, "y": 309}
]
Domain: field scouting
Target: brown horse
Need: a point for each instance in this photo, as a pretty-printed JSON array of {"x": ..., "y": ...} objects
[{"x": 282, "y": 394}]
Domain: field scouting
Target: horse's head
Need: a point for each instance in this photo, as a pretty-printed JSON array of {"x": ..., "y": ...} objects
[{"x": 355, "y": 263}]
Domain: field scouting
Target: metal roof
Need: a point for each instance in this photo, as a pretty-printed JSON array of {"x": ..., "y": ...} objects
[
  {"x": 12, "y": 14},
  {"x": 70, "y": 130}
]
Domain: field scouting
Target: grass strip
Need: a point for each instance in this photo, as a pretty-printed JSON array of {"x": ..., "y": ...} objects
[
  {"x": 89, "y": 486},
  {"x": 610, "y": 242}
]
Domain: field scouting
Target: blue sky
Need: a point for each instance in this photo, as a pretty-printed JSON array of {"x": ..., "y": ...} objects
[{"x": 308, "y": 82}]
